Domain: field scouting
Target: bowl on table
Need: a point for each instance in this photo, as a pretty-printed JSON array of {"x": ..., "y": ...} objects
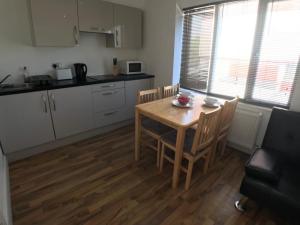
[
  {"x": 183, "y": 99},
  {"x": 209, "y": 101}
]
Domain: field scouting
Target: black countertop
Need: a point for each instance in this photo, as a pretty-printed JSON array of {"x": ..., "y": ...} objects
[{"x": 97, "y": 79}]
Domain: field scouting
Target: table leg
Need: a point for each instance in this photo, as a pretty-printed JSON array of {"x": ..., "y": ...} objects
[
  {"x": 178, "y": 156},
  {"x": 137, "y": 134}
]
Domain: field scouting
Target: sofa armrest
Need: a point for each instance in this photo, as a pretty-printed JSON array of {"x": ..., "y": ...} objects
[{"x": 263, "y": 165}]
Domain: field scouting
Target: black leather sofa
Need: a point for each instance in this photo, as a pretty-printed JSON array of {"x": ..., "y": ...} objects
[{"x": 273, "y": 172}]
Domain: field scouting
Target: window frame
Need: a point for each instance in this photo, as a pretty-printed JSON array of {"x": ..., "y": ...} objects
[{"x": 254, "y": 60}]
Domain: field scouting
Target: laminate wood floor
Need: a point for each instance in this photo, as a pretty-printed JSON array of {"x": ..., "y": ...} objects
[{"x": 97, "y": 182}]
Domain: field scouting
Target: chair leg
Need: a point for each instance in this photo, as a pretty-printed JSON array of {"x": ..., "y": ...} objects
[
  {"x": 223, "y": 146},
  {"x": 162, "y": 158},
  {"x": 189, "y": 175},
  {"x": 214, "y": 153},
  {"x": 158, "y": 154},
  {"x": 241, "y": 205},
  {"x": 207, "y": 161}
]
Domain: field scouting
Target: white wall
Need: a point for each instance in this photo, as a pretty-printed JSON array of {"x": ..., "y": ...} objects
[
  {"x": 16, "y": 48},
  {"x": 5, "y": 208},
  {"x": 159, "y": 29}
]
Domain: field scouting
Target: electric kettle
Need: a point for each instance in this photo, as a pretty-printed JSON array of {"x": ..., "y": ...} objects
[{"x": 80, "y": 71}]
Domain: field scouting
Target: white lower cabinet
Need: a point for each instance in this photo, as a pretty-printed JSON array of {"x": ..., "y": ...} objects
[
  {"x": 132, "y": 89},
  {"x": 109, "y": 117},
  {"x": 109, "y": 103},
  {"x": 25, "y": 121},
  {"x": 31, "y": 119},
  {"x": 71, "y": 110}
]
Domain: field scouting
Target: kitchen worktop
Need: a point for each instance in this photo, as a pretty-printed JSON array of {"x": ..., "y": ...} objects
[{"x": 96, "y": 79}]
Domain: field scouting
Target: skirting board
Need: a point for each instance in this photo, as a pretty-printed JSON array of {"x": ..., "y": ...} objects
[
  {"x": 240, "y": 148},
  {"x": 22, "y": 154}
]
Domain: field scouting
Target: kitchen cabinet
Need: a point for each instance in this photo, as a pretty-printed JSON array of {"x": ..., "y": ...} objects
[
  {"x": 95, "y": 16},
  {"x": 54, "y": 22},
  {"x": 108, "y": 102},
  {"x": 72, "y": 110},
  {"x": 25, "y": 121},
  {"x": 132, "y": 89},
  {"x": 127, "y": 28},
  {"x": 110, "y": 99},
  {"x": 31, "y": 119}
]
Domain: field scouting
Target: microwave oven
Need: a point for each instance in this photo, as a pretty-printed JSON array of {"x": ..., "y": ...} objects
[{"x": 131, "y": 67}]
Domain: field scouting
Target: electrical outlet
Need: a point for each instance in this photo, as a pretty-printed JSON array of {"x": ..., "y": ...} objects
[{"x": 57, "y": 65}]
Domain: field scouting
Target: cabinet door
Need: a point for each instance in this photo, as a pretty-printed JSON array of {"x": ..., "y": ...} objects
[
  {"x": 108, "y": 100},
  {"x": 132, "y": 88},
  {"x": 25, "y": 121},
  {"x": 128, "y": 27},
  {"x": 55, "y": 22},
  {"x": 95, "y": 16},
  {"x": 71, "y": 110}
]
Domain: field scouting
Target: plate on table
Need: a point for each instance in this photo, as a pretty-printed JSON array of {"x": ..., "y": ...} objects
[
  {"x": 177, "y": 104},
  {"x": 215, "y": 105}
]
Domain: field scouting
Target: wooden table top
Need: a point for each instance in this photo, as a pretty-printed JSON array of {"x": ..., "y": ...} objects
[{"x": 163, "y": 111}]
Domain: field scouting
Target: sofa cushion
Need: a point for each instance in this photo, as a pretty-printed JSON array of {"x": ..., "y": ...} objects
[
  {"x": 263, "y": 165},
  {"x": 283, "y": 135}
]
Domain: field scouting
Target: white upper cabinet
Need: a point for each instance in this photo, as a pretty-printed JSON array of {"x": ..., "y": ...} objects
[
  {"x": 72, "y": 110},
  {"x": 95, "y": 16},
  {"x": 54, "y": 22},
  {"x": 127, "y": 28},
  {"x": 25, "y": 121}
]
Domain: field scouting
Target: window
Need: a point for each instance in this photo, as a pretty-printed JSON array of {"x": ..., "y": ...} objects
[
  {"x": 246, "y": 48},
  {"x": 196, "y": 48}
]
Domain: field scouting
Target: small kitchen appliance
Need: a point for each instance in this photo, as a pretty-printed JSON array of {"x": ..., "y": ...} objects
[
  {"x": 131, "y": 67},
  {"x": 64, "y": 74},
  {"x": 39, "y": 80},
  {"x": 80, "y": 71}
]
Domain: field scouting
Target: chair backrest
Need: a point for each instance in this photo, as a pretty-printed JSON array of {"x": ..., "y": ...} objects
[
  {"x": 148, "y": 95},
  {"x": 169, "y": 91},
  {"x": 227, "y": 115},
  {"x": 206, "y": 130},
  {"x": 282, "y": 136}
]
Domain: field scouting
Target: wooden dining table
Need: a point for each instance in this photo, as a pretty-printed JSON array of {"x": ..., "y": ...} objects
[{"x": 178, "y": 118}]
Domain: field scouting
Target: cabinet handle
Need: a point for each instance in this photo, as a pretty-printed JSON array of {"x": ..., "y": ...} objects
[
  {"x": 53, "y": 102},
  {"x": 94, "y": 28},
  {"x": 108, "y": 86},
  {"x": 2, "y": 150},
  {"x": 117, "y": 36},
  {"x": 75, "y": 33},
  {"x": 45, "y": 104},
  {"x": 110, "y": 93},
  {"x": 110, "y": 113}
]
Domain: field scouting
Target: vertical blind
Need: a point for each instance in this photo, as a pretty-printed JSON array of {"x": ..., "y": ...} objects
[{"x": 247, "y": 48}]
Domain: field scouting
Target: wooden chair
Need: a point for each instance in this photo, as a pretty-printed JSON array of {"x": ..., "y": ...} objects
[
  {"x": 148, "y": 95},
  {"x": 169, "y": 91},
  {"x": 151, "y": 128},
  {"x": 198, "y": 143},
  {"x": 225, "y": 124}
]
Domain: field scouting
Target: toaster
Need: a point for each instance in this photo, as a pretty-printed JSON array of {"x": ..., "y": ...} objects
[{"x": 64, "y": 74}]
